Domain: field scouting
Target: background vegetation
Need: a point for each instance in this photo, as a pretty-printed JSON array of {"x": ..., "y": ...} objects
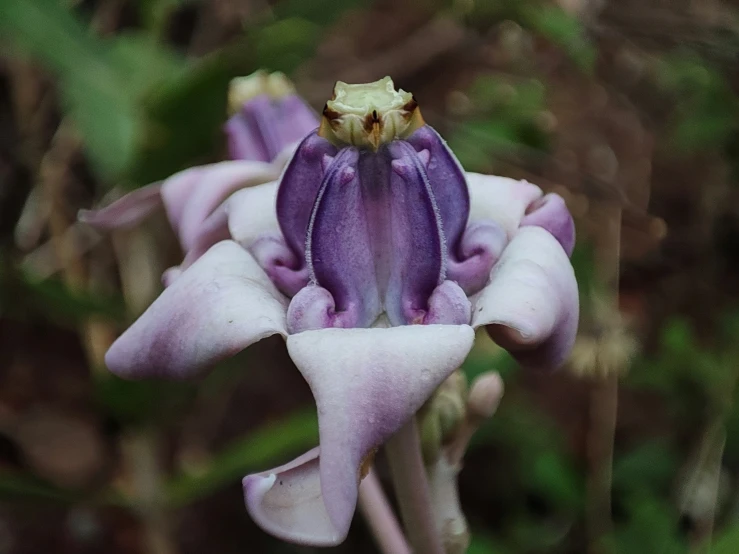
[{"x": 627, "y": 108}]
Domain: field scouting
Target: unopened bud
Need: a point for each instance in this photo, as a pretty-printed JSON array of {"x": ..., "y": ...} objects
[{"x": 485, "y": 395}]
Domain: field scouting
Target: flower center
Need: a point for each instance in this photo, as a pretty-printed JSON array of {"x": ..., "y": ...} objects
[{"x": 369, "y": 114}]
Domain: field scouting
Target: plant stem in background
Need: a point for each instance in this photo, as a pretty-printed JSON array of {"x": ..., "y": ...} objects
[
  {"x": 142, "y": 460},
  {"x": 380, "y": 517},
  {"x": 703, "y": 484},
  {"x": 603, "y": 398},
  {"x": 412, "y": 489}
]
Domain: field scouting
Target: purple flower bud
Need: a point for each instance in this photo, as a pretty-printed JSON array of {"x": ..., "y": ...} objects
[{"x": 268, "y": 117}]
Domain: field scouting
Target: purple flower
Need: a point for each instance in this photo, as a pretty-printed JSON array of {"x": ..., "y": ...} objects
[
  {"x": 268, "y": 121},
  {"x": 375, "y": 257}
]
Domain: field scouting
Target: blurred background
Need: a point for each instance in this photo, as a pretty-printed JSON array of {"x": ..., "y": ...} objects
[{"x": 627, "y": 108}]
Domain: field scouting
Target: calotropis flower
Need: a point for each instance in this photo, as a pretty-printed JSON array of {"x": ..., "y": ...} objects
[
  {"x": 376, "y": 257},
  {"x": 268, "y": 121}
]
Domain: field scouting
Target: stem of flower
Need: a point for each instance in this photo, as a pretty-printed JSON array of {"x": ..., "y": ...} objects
[
  {"x": 412, "y": 489},
  {"x": 380, "y": 517}
]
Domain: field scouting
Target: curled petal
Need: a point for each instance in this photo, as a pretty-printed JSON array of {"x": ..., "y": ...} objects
[
  {"x": 314, "y": 307},
  {"x": 190, "y": 197},
  {"x": 125, "y": 212},
  {"x": 448, "y": 304},
  {"x": 217, "y": 307},
  {"x": 280, "y": 263},
  {"x": 367, "y": 383},
  {"x": 500, "y": 199},
  {"x": 480, "y": 247},
  {"x": 550, "y": 212},
  {"x": 531, "y": 305}
]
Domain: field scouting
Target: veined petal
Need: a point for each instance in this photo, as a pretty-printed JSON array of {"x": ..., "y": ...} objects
[
  {"x": 531, "y": 306},
  {"x": 205, "y": 189},
  {"x": 367, "y": 383},
  {"x": 125, "y": 212},
  {"x": 500, "y": 199},
  {"x": 550, "y": 212},
  {"x": 299, "y": 187},
  {"x": 217, "y": 307}
]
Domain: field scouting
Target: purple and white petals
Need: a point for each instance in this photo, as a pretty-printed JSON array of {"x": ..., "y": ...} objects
[
  {"x": 531, "y": 306},
  {"x": 480, "y": 247},
  {"x": 367, "y": 383},
  {"x": 500, "y": 199},
  {"x": 217, "y": 307},
  {"x": 550, "y": 212},
  {"x": 288, "y": 504},
  {"x": 210, "y": 186}
]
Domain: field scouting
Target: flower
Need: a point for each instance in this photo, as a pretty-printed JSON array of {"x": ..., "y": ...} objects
[
  {"x": 375, "y": 257},
  {"x": 268, "y": 120}
]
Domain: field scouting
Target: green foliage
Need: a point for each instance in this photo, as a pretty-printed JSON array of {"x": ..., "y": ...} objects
[
  {"x": 258, "y": 450},
  {"x": 502, "y": 123},
  {"x": 707, "y": 109}
]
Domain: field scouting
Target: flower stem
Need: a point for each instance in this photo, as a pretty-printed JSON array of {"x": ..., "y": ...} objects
[
  {"x": 412, "y": 489},
  {"x": 379, "y": 515}
]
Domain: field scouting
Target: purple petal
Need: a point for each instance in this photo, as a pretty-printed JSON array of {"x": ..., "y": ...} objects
[
  {"x": 550, "y": 212},
  {"x": 415, "y": 246},
  {"x": 217, "y": 307},
  {"x": 265, "y": 127},
  {"x": 191, "y": 196},
  {"x": 339, "y": 247},
  {"x": 501, "y": 200},
  {"x": 367, "y": 383},
  {"x": 480, "y": 247},
  {"x": 531, "y": 305},
  {"x": 447, "y": 180},
  {"x": 125, "y": 212},
  {"x": 298, "y": 190}
]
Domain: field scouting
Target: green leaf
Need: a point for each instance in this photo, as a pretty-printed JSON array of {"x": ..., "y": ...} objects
[{"x": 274, "y": 441}]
